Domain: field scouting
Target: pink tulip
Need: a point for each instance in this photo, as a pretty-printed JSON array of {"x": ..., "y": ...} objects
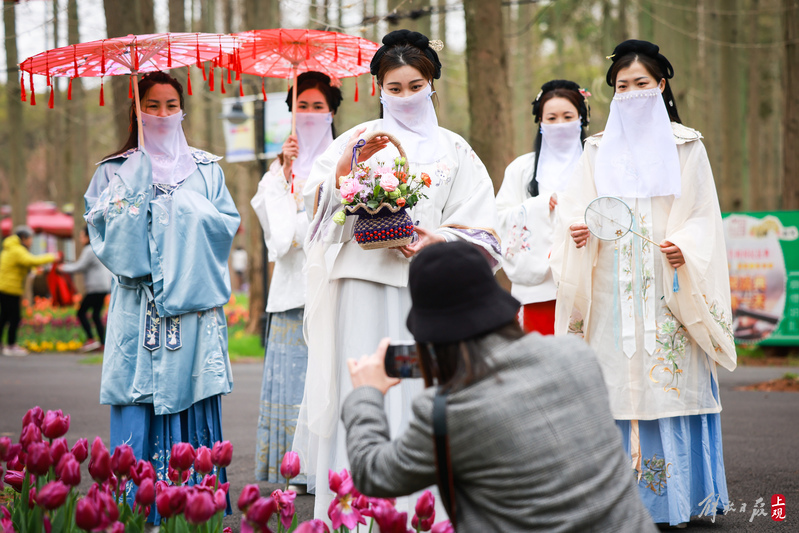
[
  {"x": 53, "y": 495},
  {"x": 39, "y": 461},
  {"x": 80, "y": 450},
  {"x": 30, "y": 434},
  {"x": 443, "y": 527},
  {"x": 203, "y": 463},
  {"x": 58, "y": 448},
  {"x": 122, "y": 460},
  {"x": 87, "y": 515},
  {"x": 100, "y": 462},
  {"x": 33, "y": 416},
  {"x": 388, "y": 518},
  {"x": 176, "y": 476},
  {"x": 17, "y": 463},
  {"x": 220, "y": 500},
  {"x": 222, "y": 453},
  {"x": 68, "y": 470},
  {"x": 118, "y": 527},
  {"x": 261, "y": 511},
  {"x": 342, "y": 512},
  {"x": 285, "y": 504},
  {"x": 290, "y": 466},
  {"x": 425, "y": 512},
  {"x": 5, "y": 446},
  {"x": 182, "y": 456},
  {"x": 227, "y": 530},
  {"x": 146, "y": 493},
  {"x": 32, "y": 497},
  {"x": 313, "y": 526},
  {"x": 200, "y": 507},
  {"x": 55, "y": 424},
  {"x": 15, "y": 479},
  {"x": 143, "y": 470},
  {"x": 249, "y": 495},
  {"x": 171, "y": 501}
]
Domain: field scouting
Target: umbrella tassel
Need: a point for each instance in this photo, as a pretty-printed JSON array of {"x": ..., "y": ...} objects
[
  {"x": 188, "y": 81},
  {"x": 222, "y": 85},
  {"x": 197, "y": 48},
  {"x": 51, "y": 101},
  {"x": 23, "y": 95},
  {"x": 49, "y": 84},
  {"x": 69, "y": 90},
  {"x": 356, "y": 91},
  {"x": 335, "y": 51},
  {"x": 102, "y": 94},
  {"x": 263, "y": 89},
  {"x": 205, "y": 76},
  {"x": 373, "y": 85},
  {"x": 130, "y": 87},
  {"x": 238, "y": 64},
  {"x": 241, "y": 88},
  {"x": 211, "y": 79},
  {"x": 102, "y": 64},
  {"x": 359, "y": 56},
  {"x": 136, "y": 57},
  {"x": 33, "y": 90},
  {"x": 169, "y": 52},
  {"x": 228, "y": 77}
]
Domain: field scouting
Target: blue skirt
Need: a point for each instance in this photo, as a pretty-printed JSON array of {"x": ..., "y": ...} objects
[
  {"x": 151, "y": 436},
  {"x": 682, "y": 466},
  {"x": 285, "y": 363}
]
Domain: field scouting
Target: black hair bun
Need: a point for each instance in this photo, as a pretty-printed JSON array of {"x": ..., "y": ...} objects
[
  {"x": 406, "y": 37},
  {"x": 559, "y": 84},
  {"x": 634, "y": 46}
]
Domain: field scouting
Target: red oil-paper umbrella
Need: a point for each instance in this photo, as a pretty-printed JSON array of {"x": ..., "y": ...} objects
[
  {"x": 128, "y": 56},
  {"x": 287, "y": 53}
]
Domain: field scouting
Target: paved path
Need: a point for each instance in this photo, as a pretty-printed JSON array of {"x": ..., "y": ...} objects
[{"x": 761, "y": 430}]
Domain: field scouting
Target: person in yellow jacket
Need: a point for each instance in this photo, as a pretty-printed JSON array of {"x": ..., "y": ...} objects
[{"x": 15, "y": 263}]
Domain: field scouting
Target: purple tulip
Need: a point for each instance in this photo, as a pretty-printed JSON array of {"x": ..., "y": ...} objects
[
  {"x": 15, "y": 479},
  {"x": 314, "y": 526},
  {"x": 171, "y": 501},
  {"x": 222, "y": 453},
  {"x": 5, "y": 447},
  {"x": 55, "y": 424},
  {"x": 176, "y": 476},
  {"x": 58, "y": 448},
  {"x": 146, "y": 494},
  {"x": 143, "y": 470},
  {"x": 34, "y": 416},
  {"x": 53, "y": 495},
  {"x": 261, "y": 511},
  {"x": 290, "y": 466},
  {"x": 100, "y": 462},
  {"x": 249, "y": 495},
  {"x": 87, "y": 515},
  {"x": 30, "y": 434},
  {"x": 122, "y": 460},
  {"x": 38, "y": 461},
  {"x": 81, "y": 450},
  {"x": 118, "y": 527},
  {"x": 68, "y": 470},
  {"x": 443, "y": 527},
  {"x": 200, "y": 507},
  {"x": 203, "y": 463},
  {"x": 220, "y": 499},
  {"x": 182, "y": 456}
]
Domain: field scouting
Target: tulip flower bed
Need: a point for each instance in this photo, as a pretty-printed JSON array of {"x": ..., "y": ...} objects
[{"x": 42, "y": 473}]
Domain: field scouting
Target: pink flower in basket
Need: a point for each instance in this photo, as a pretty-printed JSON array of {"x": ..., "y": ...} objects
[
  {"x": 389, "y": 182},
  {"x": 349, "y": 188}
]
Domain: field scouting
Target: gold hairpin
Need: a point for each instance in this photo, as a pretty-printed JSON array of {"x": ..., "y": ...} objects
[
  {"x": 611, "y": 56},
  {"x": 437, "y": 45}
]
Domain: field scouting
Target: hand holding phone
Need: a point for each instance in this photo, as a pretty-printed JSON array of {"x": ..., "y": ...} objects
[{"x": 402, "y": 361}]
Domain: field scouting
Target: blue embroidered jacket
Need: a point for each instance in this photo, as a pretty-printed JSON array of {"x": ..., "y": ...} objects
[{"x": 168, "y": 247}]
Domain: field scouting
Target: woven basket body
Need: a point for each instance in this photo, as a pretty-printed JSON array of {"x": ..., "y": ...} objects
[{"x": 384, "y": 227}]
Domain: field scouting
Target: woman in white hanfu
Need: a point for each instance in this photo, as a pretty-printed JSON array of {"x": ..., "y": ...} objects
[
  {"x": 527, "y": 201},
  {"x": 355, "y": 296},
  {"x": 280, "y": 208},
  {"x": 659, "y": 338}
]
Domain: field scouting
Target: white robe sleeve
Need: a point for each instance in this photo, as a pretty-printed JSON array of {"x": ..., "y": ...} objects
[{"x": 277, "y": 212}]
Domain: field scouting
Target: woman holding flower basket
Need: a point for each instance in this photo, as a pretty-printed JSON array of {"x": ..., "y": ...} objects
[
  {"x": 281, "y": 210},
  {"x": 379, "y": 194}
]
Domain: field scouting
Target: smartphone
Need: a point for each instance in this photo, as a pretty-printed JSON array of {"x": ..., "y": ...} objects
[{"x": 402, "y": 361}]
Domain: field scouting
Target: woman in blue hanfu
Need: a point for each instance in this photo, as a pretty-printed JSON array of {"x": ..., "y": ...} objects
[
  {"x": 658, "y": 338},
  {"x": 356, "y": 296},
  {"x": 280, "y": 208},
  {"x": 162, "y": 220}
]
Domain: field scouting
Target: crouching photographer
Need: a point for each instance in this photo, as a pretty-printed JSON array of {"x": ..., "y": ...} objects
[{"x": 515, "y": 429}]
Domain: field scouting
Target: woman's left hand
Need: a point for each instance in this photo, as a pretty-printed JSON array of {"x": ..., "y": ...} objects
[
  {"x": 673, "y": 254},
  {"x": 370, "y": 370},
  {"x": 426, "y": 238}
]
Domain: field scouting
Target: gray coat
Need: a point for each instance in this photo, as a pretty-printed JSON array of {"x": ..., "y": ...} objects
[
  {"x": 533, "y": 448},
  {"x": 96, "y": 277}
]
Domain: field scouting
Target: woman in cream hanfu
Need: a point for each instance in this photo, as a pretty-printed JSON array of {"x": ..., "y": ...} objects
[
  {"x": 162, "y": 220},
  {"x": 658, "y": 340},
  {"x": 280, "y": 208},
  {"x": 527, "y": 201},
  {"x": 355, "y": 296}
]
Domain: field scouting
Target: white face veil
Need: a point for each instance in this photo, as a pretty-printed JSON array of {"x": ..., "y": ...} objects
[
  {"x": 637, "y": 157},
  {"x": 413, "y": 121},
  {"x": 314, "y": 135},
  {"x": 166, "y": 145},
  {"x": 561, "y": 148}
]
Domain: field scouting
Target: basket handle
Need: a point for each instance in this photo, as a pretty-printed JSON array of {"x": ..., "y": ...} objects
[{"x": 368, "y": 137}]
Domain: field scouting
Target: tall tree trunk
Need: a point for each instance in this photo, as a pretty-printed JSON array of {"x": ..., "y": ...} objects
[
  {"x": 53, "y": 134},
  {"x": 790, "y": 178},
  {"x": 646, "y": 29},
  {"x": 16, "y": 149},
  {"x": 730, "y": 197},
  {"x": 491, "y": 132},
  {"x": 77, "y": 148},
  {"x": 177, "y": 16},
  {"x": 753, "y": 171},
  {"x": 119, "y": 22}
]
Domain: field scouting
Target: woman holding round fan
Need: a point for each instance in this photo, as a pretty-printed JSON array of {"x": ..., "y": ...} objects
[
  {"x": 162, "y": 220},
  {"x": 528, "y": 199},
  {"x": 281, "y": 210},
  {"x": 356, "y": 296},
  {"x": 659, "y": 338}
]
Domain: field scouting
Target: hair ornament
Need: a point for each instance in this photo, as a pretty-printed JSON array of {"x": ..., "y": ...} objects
[
  {"x": 585, "y": 93},
  {"x": 611, "y": 56},
  {"x": 437, "y": 45}
]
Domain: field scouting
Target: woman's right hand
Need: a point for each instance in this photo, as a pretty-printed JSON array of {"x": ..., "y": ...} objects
[
  {"x": 372, "y": 146},
  {"x": 291, "y": 149},
  {"x": 580, "y": 234}
]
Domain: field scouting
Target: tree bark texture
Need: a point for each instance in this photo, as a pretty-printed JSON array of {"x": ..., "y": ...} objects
[
  {"x": 790, "y": 190},
  {"x": 16, "y": 149},
  {"x": 491, "y": 131},
  {"x": 76, "y": 134}
]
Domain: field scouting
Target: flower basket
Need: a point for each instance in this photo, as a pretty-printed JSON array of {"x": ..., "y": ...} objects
[
  {"x": 385, "y": 227},
  {"x": 380, "y": 197}
]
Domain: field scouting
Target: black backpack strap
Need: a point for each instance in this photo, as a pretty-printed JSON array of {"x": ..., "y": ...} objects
[{"x": 446, "y": 484}]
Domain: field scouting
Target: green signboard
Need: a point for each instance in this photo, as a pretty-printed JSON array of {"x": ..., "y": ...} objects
[{"x": 763, "y": 257}]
